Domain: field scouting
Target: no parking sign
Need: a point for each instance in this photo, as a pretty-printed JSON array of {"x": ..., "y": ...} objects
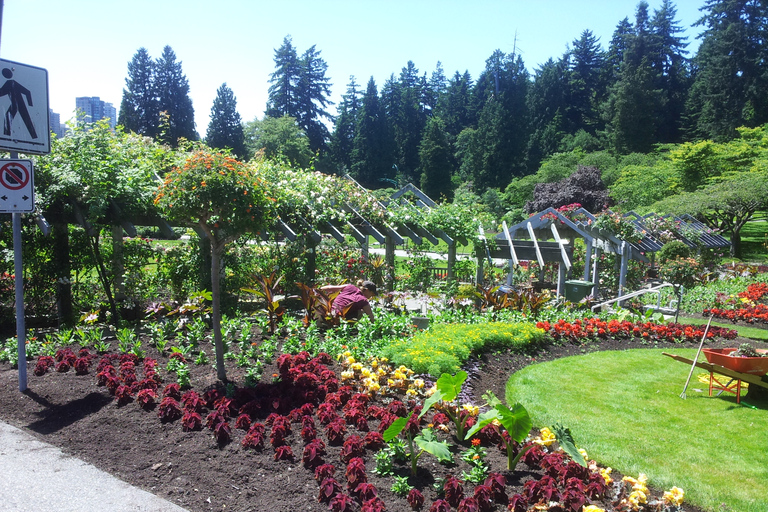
[{"x": 16, "y": 186}]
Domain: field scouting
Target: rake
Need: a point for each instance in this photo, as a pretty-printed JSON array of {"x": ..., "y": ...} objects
[{"x": 682, "y": 395}]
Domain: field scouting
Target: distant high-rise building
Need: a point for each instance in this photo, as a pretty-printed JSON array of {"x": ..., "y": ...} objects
[
  {"x": 96, "y": 110},
  {"x": 54, "y": 120}
]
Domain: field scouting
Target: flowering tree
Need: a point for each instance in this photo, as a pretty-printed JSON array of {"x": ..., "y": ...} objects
[{"x": 225, "y": 199}]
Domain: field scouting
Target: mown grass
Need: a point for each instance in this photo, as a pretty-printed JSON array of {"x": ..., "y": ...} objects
[
  {"x": 625, "y": 409},
  {"x": 754, "y": 240}
]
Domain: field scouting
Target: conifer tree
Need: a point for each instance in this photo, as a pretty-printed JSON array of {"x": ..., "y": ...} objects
[
  {"x": 225, "y": 129},
  {"x": 372, "y": 157},
  {"x": 139, "y": 109},
  {"x": 174, "y": 100},
  {"x": 436, "y": 161}
]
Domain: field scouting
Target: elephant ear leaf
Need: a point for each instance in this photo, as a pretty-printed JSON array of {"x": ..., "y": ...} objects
[
  {"x": 394, "y": 429},
  {"x": 437, "y": 396},
  {"x": 566, "y": 442},
  {"x": 515, "y": 421},
  {"x": 483, "y": 420},
  {"x": 450, "y": 385},
  {"x": 429, "y": 443}
]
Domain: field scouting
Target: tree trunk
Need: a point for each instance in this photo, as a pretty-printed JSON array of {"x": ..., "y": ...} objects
[{"x": 217, "y": 249}]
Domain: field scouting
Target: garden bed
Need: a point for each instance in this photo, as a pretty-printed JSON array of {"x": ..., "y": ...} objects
[{"x": 194, "y": 471}]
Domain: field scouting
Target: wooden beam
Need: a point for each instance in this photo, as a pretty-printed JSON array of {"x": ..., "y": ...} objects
[
  {"x": 535, "y": 245},
  {"x": 560, "y": 242},
  {"x": 512, "y": 252},
  {"x": 335, "y": 233}
]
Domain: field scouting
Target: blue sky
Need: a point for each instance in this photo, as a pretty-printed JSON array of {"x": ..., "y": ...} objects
[{"x": 86, "y": 44}]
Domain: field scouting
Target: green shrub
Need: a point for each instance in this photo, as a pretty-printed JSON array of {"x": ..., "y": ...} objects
[
  {"x": 673, "y": 250},
  {"x": 445, "y": 347},
  {"x": 681, "y": 271}
]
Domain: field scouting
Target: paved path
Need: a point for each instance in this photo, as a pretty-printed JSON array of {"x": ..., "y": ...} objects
[{"x": 36, "y": 476}]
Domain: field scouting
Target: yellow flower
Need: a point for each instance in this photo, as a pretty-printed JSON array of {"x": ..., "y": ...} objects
[
  {"x": 637, "y": 498},
  {"x": 546, "y": 437},
  {"x": 374, "y": 364},
  {"x": 357, "y": 367},
  {"x": 431, "y": 391},
  {"x": 583, "y": 453},
  {"x": 419, "y": 383},
  {"x": 674, "y": 496},
  {"x": 473, "y": 410},
  {"x": 350, "y": 360},
  {"x": 592, "y": 508},
  {"x": 411, "y": 392},
  {"x": 606, "y": 474},
  {"x": 365, "y": 372},
  {"x": 346, "y": 375}
]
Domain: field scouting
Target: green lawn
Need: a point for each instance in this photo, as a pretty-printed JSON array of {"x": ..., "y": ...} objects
[
  {"x": 625, "y": 409},
  {"x": 754, "y": 240}
]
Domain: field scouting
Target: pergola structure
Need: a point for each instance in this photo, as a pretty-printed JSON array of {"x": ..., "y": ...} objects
[{"x": 547, "y": 236}]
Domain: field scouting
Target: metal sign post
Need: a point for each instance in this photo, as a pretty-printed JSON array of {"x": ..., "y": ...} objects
[{"x": 16, "y": 197}]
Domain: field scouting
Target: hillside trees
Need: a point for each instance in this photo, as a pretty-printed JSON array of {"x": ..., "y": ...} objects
[
  {"x": 300, "y": 89},
  {"x": 372, "y": 153},
  {"x": 730, "y": 88},
  {"x": 225, "y": 129},
  {"x": 278, "y": 139}
]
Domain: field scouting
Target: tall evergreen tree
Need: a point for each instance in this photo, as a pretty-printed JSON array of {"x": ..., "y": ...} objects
[
  {"x": 174, "y": 100},
  {"x": 456, "y": 107},
  {"x": 435, "y": 89},
  {"x": 372, "y": 156},
  {"x": 546, "y": 104},
  {"x": 436, "y": 160},
  {"x": 671, "y": 69},
  {"x": 312, "y": 98},
  {"x": 284, "y": 81},
  {"x": 585, "y": 88},
  {"x": 730, "y": 88},
  {"x": 343, "y": 137},
  {"x": 139, "y": 109},
  {"x": 225, "y": 129},
  {"x": 403, "y": 100},
  {"x": 299, "y": 88}
]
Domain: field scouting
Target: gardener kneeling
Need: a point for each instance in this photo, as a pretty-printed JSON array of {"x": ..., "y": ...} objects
[{"x": 352, "y": 301}]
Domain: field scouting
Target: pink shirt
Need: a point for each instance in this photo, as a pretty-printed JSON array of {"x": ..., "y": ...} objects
[{"x": 349, "y": 296}]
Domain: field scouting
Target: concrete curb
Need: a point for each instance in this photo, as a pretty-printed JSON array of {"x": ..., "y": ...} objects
[{"x": 38, "y": 476}]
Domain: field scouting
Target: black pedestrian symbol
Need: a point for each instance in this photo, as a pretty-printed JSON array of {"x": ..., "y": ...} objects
[{"x": 16, "y": 93}]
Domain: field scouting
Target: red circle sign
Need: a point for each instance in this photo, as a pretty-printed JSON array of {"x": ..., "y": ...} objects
[{"x": 14, "y": 176}]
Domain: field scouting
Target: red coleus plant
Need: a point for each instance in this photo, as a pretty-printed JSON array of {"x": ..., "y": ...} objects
[
  {"x": 222, "y": 432},
  {"x": 374, "y": 441},
  {"x": 81, "y": 365},
  {"x": 192, "y": 401},
  {"x": 313, "y": 454},
  {"x": 415, "y": 499},
  {"x": 329, "y": 488},
  {"x": 335, "y": 431},
  {"x": 243, "y": 422},
  {"x": 342, "y": 503},
  {"x": 365, "y": 491},
  {"x": 353, "y": 447},
  {"x": 65, "y": 354},
  {"x": 45, "y": 363},
  {"x": 373, "y": 505},
  {"x": 123, "y": 394},
  {"x": 146, "y": 398},
  {"x": 283, "y": 453},
  {"x": 324, "y": 471},
  {"x": 454, "y": 492},
  {"x": 484, "y": 496},
  {"x": 543, "y": 489},
  {"x": 169, "y": 410},
  {"x": 191, "y": 421},
  {"x": 497, "y": 484},
  {"x": 469, "y": 504},
  {"x": 213, "y": 419},
  {"x": 253, "y": 440},
  {"x": 440, "y": 506},
  {"x": 518, "y": 503},
  {"x": 62, "y": 367},
  {"x": 355, "y": 473},
  {"x": 172, "y": 390},
  {"x": 225, "y": 406}
]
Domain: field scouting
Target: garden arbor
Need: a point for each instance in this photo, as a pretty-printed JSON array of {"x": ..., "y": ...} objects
[{"x": 547, "y": 236}]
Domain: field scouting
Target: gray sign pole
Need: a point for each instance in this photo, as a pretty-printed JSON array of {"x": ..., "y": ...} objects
[{"x": 21, "y": 334}]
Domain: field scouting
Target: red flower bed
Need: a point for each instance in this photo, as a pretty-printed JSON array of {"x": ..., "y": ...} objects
[
  {"x": 587, "y": 329},
  {"x": 749, "y": 314}
]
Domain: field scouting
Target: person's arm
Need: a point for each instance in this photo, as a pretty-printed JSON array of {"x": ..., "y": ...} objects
[
  {"x": 328, "y": 289},
  {"x": 367, "y": 310}
]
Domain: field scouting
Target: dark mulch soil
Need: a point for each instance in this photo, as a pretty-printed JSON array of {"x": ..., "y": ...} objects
[{"x": 192, "y": 470}]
